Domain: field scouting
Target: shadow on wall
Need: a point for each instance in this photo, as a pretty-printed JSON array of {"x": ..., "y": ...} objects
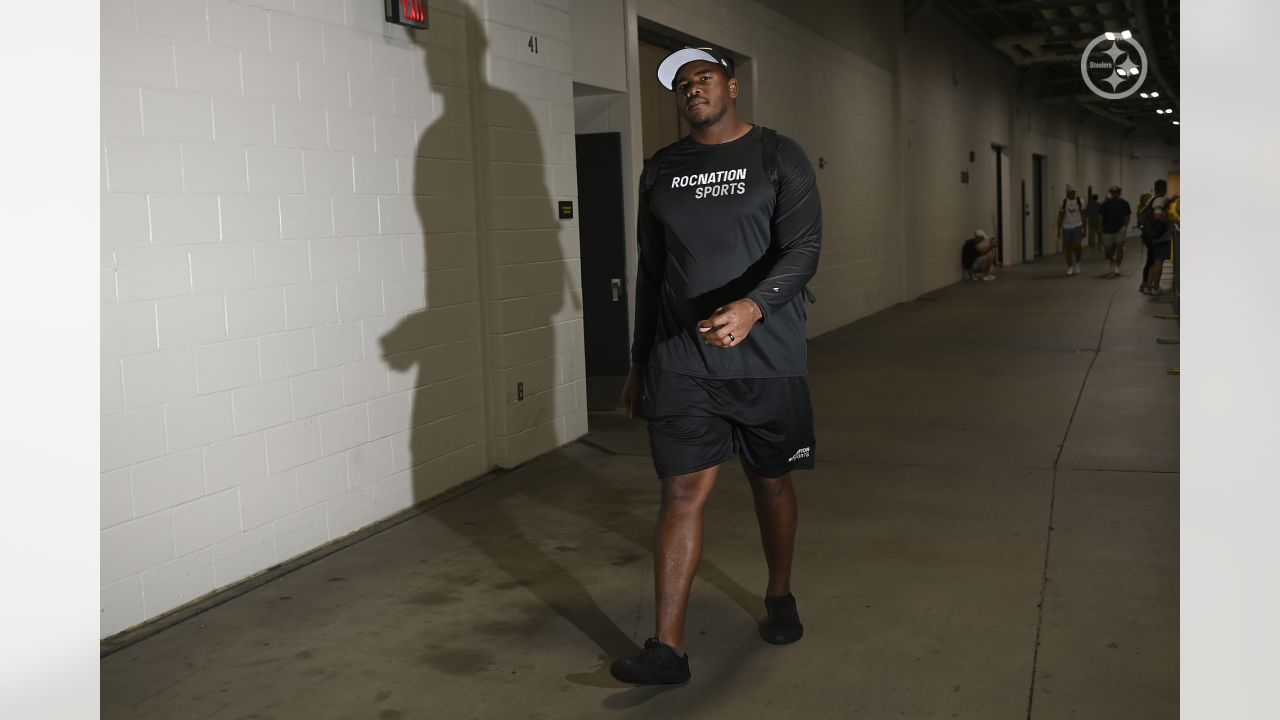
[
  {"x": 515, "y": 254},
  {"x": 518, "y": 258}
]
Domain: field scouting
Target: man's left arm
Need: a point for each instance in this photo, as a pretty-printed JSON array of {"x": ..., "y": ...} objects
[
  {"x": 797, "y": 238},
  {"x": 797, "y": 232}
]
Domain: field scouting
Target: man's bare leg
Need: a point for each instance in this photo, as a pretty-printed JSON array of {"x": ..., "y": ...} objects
[
  {"x": 776, "y": 510},
  {"x": 775, "y": 501},
  {"x": 677, "y": 548},
  {"x": 1153, "y": 278}
]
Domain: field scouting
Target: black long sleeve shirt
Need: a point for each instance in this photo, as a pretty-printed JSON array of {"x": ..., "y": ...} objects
[{"x": 712, "y": 231}]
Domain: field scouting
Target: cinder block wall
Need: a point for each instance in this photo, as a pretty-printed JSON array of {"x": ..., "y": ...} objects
[{"x": 330, "y": 253}]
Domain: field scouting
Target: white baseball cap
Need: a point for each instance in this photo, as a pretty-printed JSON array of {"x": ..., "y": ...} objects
[{"x": 672, "y": 63}]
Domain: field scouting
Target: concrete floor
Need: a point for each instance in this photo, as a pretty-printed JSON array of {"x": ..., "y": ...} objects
[{"x": 992, "y": 532}]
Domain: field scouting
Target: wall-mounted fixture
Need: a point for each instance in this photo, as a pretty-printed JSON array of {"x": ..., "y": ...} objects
[{"x": 409, "y": 13}]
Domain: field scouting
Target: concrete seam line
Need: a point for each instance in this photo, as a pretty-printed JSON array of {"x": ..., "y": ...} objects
[{"x": 1053, "y": 495}]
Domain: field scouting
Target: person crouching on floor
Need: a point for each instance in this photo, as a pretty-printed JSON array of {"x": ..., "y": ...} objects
[{"x": 978, "y": 256}]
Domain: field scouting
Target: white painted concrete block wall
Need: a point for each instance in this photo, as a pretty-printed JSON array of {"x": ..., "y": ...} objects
[
  {"x": 534, "y": 313},
  {"x": 315, "y": 294}
]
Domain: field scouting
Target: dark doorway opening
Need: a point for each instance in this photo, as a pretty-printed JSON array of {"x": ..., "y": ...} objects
[
  {"x": 602, "y": 246},
  {"x": 1022, "y": 220},
  {"x": 1037, "y": 200},
  {"x": 999, "y": 204}
]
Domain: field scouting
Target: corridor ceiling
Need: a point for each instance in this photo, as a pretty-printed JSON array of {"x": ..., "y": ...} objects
[{"x": 1046, "y": 38}]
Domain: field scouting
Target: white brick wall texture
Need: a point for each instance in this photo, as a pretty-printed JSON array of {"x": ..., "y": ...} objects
[{"x": 301, "y": 274}]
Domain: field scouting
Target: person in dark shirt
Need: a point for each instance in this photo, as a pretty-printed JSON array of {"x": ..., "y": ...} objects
[
  {"x": 978, "y": 256},
  {"x": 730, "y": 226},
  {"x": 1094, "y": 221},
  {"x": 1115, "y": 213}
]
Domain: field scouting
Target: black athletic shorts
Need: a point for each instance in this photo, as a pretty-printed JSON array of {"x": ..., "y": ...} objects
[{"x": 696, "y": 423}]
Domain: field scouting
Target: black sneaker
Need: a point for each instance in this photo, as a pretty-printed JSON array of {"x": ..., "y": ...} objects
[
  {"x": 657, "y": 664},
  {"x": 782, "y": 627}
]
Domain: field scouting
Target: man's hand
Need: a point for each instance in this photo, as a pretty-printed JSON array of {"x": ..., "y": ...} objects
[
  {"x": 633, "y": 391},
  {"x": 730, "y": 324}
]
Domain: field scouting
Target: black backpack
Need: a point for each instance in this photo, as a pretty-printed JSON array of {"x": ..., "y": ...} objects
[
  {"x": 769, "y": 141},
  {"x": 1151, "y": 229}
]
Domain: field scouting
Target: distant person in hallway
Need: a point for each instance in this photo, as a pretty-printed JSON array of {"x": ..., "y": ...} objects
[
  {"x": 1094, "y": 220},
  {"x": 1143, "y": 201},
  {"x": 730, "y": 225},
  {"x": 1114, "y": 214},
  {"x": 978, "y": 256},
  {"x": 1157, "y": 230},
  {"x": 1071, "y": 230}
]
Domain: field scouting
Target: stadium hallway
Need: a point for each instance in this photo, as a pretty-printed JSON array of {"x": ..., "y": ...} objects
[{"x": 991, "y": 532}]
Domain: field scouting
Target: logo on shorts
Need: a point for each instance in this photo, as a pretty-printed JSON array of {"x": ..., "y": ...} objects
[{"x": 801, "y": 454}]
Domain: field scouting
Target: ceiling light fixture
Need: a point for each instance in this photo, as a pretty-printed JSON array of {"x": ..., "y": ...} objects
[
  {"x": 1110, "y": 36},
  {"x": 1175, "y": 122},
  {"x": 1126, "y": 34},
  {"x": 1155, "y": 94},
  {"x": 1143, "y": 95}
]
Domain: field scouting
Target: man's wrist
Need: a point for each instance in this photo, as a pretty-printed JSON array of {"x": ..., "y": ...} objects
[{"x": 755, "y": 306}]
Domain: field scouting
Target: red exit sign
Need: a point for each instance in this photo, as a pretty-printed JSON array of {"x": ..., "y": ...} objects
[{"x": 410, "y": 13}]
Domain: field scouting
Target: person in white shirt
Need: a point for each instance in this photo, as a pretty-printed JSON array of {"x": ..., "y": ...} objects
[{"x": 1071, "y": 228}]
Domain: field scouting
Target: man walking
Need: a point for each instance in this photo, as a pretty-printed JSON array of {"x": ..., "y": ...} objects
[
  {"x": 1071, "y": 228},
  {"x": 729, "y": 229},
  {"x": 1094, "y": 219},
  {"x": 1115, "y": 213},
  {"x": 1157, "y": 229}
]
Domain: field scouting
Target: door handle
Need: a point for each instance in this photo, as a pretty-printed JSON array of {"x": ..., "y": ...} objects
[{"x": 615, "y": 285}]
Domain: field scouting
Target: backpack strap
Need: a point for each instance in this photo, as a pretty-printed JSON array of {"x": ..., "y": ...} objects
[
  {"x": 649, "y": 175},
  {"x": 769, "y": 140},
  {"x": 769, "y": 157}
]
